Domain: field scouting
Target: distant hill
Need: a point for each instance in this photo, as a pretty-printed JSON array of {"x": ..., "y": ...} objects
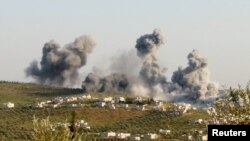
[
  {"x": 22, "y": 93},
  {"x": 16, "y": 123}
]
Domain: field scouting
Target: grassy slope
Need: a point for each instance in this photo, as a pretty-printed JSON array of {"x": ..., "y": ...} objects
[
  {"x": 16, "y": 123},
  {"x": 21, "y": 93}
]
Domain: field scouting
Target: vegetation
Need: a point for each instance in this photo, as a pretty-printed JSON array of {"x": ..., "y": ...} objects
[
  {"x": 16, "y": 122},
  {"x": 23, "y": 93},
  {"x": 43, "y": 130},
  {"x": 233, "y": 109}
]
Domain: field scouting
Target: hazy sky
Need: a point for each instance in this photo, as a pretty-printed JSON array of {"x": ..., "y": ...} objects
[{"x": 219, "y": 29}]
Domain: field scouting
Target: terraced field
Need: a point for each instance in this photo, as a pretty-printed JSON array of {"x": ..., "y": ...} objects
[{"x": 16, "y": 123}]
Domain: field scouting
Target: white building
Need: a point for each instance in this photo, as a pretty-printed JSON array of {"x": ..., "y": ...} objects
[
  {"x": 204, "y": 138},
  {"x": 107, "y": 99},
  {"x": 123, "y": 135},
  {"x": 150, "y": 136},
  {"x": 82, "y": 124},
  {"x": 166, "y": 132},
  {"x": 138, "y": 99},
  {"x": 58, "y": 100},
  {"x": 111, "y": 106},
  {"x": 38, "y": 105},
  {"x": 79, "y": 105},
  {"x": 159, "y": 103},
  {"x": 183, "y": 107},
  {"x": 141, "y": 107},
  {"x": 135, "y": 138},
  {"x": 8, "y": 105},
  {"x": 71, "y": 99},
  {"x": 120, "y": 99},
  {"x": 88, "y": 96},
  {"x": 159, "y": 108},
  {"x": 87, "y": 127},
  {"x": 101, "y": 104},
  {"x": 108, "y": 134},
  {"x": 124, "y": 105},
  {"x": 198, "y": 121},
  {"x": 187, "y": 137}
]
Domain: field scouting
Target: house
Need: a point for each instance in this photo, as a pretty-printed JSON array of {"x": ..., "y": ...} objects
[
  {"x": 71, "y": 99},
  {"x": 135, "y": 138},
  {"x": 141, "y": 107},
  {"x": 57, "y": 100},
  {"x": 182, "y": 107},
  {"x": 48, "y": 101},
  {"x": 166, "y": 132},
  {"x": 101, "y": 104},
  {"x": 72, "y": 105},
  {"x": 88, "y": 96},
  {"x": 159, "y": 108},
  {"x": 138, "y": 99},
  {"x": 123, "y": 135},
  {"x": 120, "y": 100},
  {"x": 197, "y": 121},
  {"x": 79, "y": 105},
  {"x": 107, "y": 99},
  {"x": 54, "y": 105},
  {"x": 8, "y": 105},
  {"x": 150, "y": 136},
  {"x": 81, "y": 97},
  {"x": 108, "y": 134},
  {"x": 204, "y": 138},
  {"x": 82, "y": 124},
  {"x": 159, "y": 103},
  {"x": 124, "y": 105},
  {"x": 38, "y": 105},
  {"x": 187, "y": 137},
  {"x": 111, "y": 106}
]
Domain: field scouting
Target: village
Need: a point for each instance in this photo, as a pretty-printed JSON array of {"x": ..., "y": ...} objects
[{"x": 112, "y": 103}]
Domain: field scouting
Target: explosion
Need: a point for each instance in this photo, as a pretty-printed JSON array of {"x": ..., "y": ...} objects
[{"x": 59, "y": 66}]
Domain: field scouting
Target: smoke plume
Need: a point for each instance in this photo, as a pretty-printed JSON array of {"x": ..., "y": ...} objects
[
  {"x": 194, "y": 79},
  {"x": 151, "y": 73},
  {"x": 112, "y": 83},
  {"x": 191, "y": 84},
  {"x": 59, "y": 65}
]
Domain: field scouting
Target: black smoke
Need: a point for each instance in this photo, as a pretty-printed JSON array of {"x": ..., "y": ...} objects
[
  {"x": 59, "y": 65},
  {"x": 147, "y": 45},
  {"x": 112, "y": 83}
]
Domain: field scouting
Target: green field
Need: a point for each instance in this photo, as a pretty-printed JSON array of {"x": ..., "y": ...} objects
[{"x": 16, "y": 123}]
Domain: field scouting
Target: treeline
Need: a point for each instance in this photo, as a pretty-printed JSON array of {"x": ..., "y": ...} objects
[{"x": 55, "y": 89}]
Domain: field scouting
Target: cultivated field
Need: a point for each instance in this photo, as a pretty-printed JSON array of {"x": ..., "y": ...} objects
[{"x": 16, "y": 123}]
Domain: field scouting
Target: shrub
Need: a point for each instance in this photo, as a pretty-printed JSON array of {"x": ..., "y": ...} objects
[
  {"x": 43, "y": 130},
  {"x": 233, "y": 109}
]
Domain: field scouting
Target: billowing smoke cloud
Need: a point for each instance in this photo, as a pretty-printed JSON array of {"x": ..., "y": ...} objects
[
  {"x": 125, "y": 62},
  {"x": 191, "y": 84},
  {"x": 112, "y": 83},
  {"x": 151, "y": 73},
  {"x": 118, "y": 75},
  {"x": 194, "y": 79},
  {"x": 59, "y": 66}
]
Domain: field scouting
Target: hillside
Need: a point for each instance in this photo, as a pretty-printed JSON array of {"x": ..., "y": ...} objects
[
  {"x": 16, "y": 123},
  {"x": 23, "y": 93}
]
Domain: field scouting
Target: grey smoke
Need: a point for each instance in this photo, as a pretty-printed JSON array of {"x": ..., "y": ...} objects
[
  {"x": 118, "y": 77},
  {"x": 59, "y": 65},
  {"x": 189, "y": 84},
  {"x": 125, "y": 63},
  {"x": 194, "y": 79},
  {"x": 112, "y": 83},
  {"x": 147, "y": 45}
]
